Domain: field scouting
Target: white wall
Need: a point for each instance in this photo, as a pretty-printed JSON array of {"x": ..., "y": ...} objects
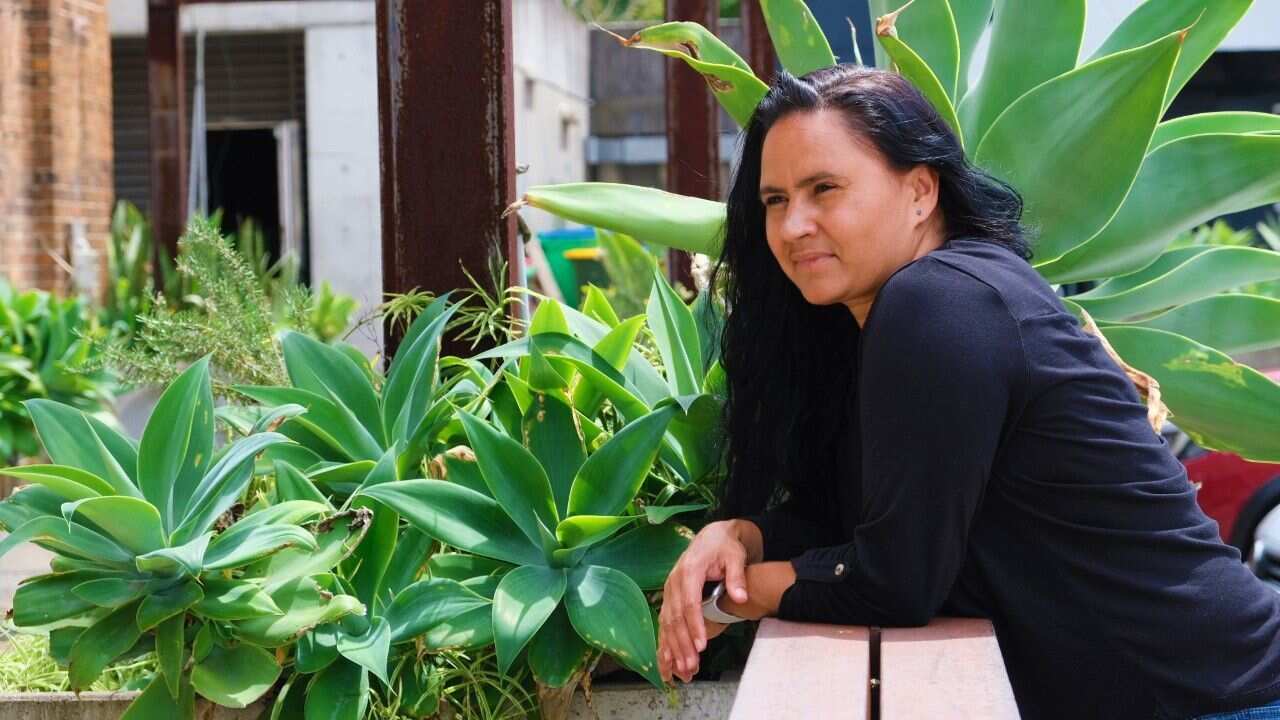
[
  {"x": 551, "y": 98},
  {"x": 344, "y": 211}
]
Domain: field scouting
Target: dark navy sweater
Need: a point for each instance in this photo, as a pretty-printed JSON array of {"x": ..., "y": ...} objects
[{"x": 1001, "y": 465}]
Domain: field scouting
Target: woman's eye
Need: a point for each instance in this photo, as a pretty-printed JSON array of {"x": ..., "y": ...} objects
[
  {"x": 773, "y": 200},
  {"x": 822, "y": 187}
]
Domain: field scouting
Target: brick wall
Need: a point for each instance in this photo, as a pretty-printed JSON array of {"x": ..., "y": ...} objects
[{"x": 55, "y": 136}]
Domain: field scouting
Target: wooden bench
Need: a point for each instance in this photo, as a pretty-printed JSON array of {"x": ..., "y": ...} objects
[{"x": 951, "y": 668}]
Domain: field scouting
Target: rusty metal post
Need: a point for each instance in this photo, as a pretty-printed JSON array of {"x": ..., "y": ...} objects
[
  {"x": 447, "y": 142},
  {"x": 166, "y": 97},
  {"x": 760, "y": 53},
  {"x": 693, "y": 147}
]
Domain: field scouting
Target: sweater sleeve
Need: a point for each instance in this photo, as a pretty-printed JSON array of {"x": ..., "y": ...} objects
[
  {"x": 805, "y": 520},
  {"x": 941, "y": 362}
]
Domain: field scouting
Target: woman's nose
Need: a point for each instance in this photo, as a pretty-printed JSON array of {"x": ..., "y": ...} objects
[{"x": 797, "y": 222}]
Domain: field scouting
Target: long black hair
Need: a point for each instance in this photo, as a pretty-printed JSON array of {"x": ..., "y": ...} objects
[{"x": 790, "y": 365}]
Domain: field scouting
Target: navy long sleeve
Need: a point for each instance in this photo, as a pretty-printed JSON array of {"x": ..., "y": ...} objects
[{"x": 999, "y": 464}]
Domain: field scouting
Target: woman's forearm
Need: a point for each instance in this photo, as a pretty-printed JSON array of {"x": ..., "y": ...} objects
[{"x": 766, "y": 582}]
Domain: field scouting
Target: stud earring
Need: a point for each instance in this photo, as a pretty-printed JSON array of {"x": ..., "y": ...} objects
[{"x": 919, "y": 211}]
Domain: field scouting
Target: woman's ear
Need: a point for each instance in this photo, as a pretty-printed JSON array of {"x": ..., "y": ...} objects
[{"x": 922, "y": 190}]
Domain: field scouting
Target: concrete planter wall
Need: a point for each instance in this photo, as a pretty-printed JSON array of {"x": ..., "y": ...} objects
[
  {"x": 639, "y": 701},
  {"x": 98, "y": 706}
]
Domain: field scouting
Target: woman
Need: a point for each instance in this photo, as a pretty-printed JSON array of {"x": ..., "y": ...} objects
[{"x": 918, "y": 427}]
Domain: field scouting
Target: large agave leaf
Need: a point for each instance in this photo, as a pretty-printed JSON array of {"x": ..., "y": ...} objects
[
  {"x": 556, "y": 652},
  {"x": 304, "y": 605},
  {"x": 516, "y": 479},
  {"x": 971, "y": 18},
  {"x": 74, "y": 439},
  {"x": 68, "y": 482},
  {"x": 525, "y": 598},
  {"x": 370, "y": 559},
  {"x": 170, "y": 653},
  {"x": 368, "y": 649},
  {"x": 103, "y": 642},
  {"x": 168, "y": 603},
  {"x": 156, "y": 702},
  {"x": 1214, "y": 123},
  {"x": 47, "y": 599},
  {"x": 334, "y": 424},
  {"x": 729, "y": 77},
  {"x": 552, "y": 435},
  {"x": 235, "y": 600},
  {"x": 1230, "y": 323},
  {"x": 1209, "y": 20},
  {"x": 229, "y": 550},
  {"x": 914, "y": 68},
  {"x": 222, "y": 486},
  {"x": 133, "y": 523},
  {"x": 929, "y": 27},
  {"x": 676, "y": 335},
  {"x": 423, "y": 605},
  {"x": 610, "y": 613},
  {"x": 1204, "y": 274},
  {"x": 414, "y": 373},
  {"x": 460, "y": 517},
  {"x": 339, "y": 692},
  {"x": 798, "y": 40},
  {"x": 177, "y": 443},
  {"x": 1182, "y": 183},
  {"x": 1088, "y": 129},
  {"x": 1222, "y": 404},
  {"x": 336, "y": 538},
  {"x": 70, "y": 539},
  {"x": 612, "y": 475},
  {"x": 235, "y": 676},
  {"x": 646, "y": 554},
  {"x": 328, "y": 372},
  {"x": 1032, "y": 41},
  {"x": 646, "y": 214}
]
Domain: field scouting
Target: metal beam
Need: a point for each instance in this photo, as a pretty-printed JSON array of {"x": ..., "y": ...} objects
[
  {"x": 166, "y": 96},
  {"x": 760, "y": 52},
  {"x": 693, "y": 153},
  {"x": 446, "y": 140}
]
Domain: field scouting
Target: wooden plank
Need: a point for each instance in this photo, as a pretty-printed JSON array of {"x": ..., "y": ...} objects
[
  {"x": 950, "y": 669},
  {"x": 802, "y": 670},
  {"x": 166, "y": 105}
]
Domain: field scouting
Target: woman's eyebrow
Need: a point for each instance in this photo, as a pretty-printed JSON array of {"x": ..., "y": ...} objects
[{"x": 809, "y": 180}]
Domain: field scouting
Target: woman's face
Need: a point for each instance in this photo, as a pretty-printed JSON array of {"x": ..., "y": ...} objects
[{"x": 839, "y": 219}]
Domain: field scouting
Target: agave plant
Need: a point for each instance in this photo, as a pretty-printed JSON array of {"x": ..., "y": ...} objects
[
  {"x": 1108, "y": 182},
  {"x": 151, "y": 552}
]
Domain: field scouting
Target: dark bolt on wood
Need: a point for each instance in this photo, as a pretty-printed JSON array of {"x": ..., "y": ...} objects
[
  {"x": 165, "y": 96},
  {"x": 693, "y": 150},
  {"x": 446, "y": 142},
  {"x": 760, "y": 53}
]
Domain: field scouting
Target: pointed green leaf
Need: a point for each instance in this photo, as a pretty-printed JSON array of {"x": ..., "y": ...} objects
[
  {"x": 69, "y": 482},
  {"x": 222, "y": 486},
  {"x": 75, "y": 439},
  {"x": 155, "y": 702},
  {"x": 186, "y": 559},
  {"x": 303, "y": 605},
  {"x": 336, "y": 538},
  {"x": 291, "y": 484},
  {"x": 524, "y": 600},
  {"x": 414, "y": 373},
  {"x": 517, "y": 480},
  {"x": 972, "y": 18},
  {"x": 1228, "y": 323},
  {"x": 46, "y": 599},
  {"x": 801, "y": 45},
  {"x": 1214, "y": 123},
  {"x": 596, "y": 305},
  {"x": 236, "y": 676},
  {"x": 676, "y": 335},
  {"x": 658, "y": 514},
  {"x": 584, "y": 530},
  {"x": 610, "y": 613},
  {"x": 612, "y": 476},
  {"x": 413, "y": 548},
  {"x": 556, "y": 652},
  {"x": 1205, "y": 274},
  {"x": 463, "y": 566},
  {"x": 370, "y": 559},
  {"x": 68, "y": 538},
  {"x": 370, "y": 649},
  {"x": 112, "y": 592},
  {"x": 548, "y": 318},
  {"x": 470, "y": 630},
  {"x": 103, "y": 642},
  {"x": 459, "y": 517},
  {"x": 328, "y": 372},
  {"x": 177, "y": 443},
  {"x": 1087, "y": 128},
  {"x": 552, "y": 436},
  {"x": 646, "y": 554},
  {"x": 169, "y": 653},
  {"x": 339, "y": 692},
  {"x": 929, "y": 28},
  {"x": 333, "y": 424},
  {"x": 1209, "y": 21},
  {"x": 1015, "y": 65},
  {"x": 425, "y": 604},
  {"x": 235, "y": 600},
  {"x": 157, "y": 608},
  {"x": 646, "y": 214},
  {"x": 317, "y": 649},
  {"x": 255, "y": 543},
  {"x": 913, "y": 67},
  {"x": 1221, "y": 404},
  {"x": 133, "y": 523},
  {"x": 1182, "y": 184}
]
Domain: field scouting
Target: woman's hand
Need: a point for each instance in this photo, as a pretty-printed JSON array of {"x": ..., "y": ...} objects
[{"x": 717, "y": 552}]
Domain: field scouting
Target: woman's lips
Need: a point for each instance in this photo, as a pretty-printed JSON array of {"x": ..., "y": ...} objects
[{"x": 805, "y": 262}]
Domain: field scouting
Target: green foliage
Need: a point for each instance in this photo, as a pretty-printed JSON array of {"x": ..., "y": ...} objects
[
  {"x": 1108, "y": 184},
  {"x": 156, "y": 551},
  {"x": 46, "y": 351}
]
